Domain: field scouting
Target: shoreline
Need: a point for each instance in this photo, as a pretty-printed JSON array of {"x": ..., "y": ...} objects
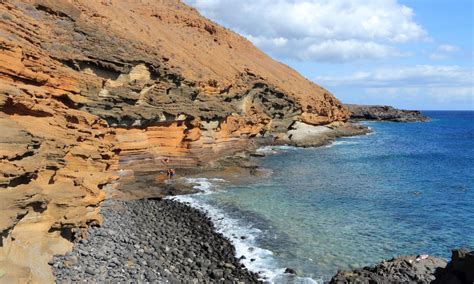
[
  {"x": 411, "y": 268},
  {"x": 171, "y": 241},
  {"x": 148, "y": 187},
  {"x": 243, "y": 235},
  {"x": 214, "y": 231},
  {"x": 145, "y": 183}
]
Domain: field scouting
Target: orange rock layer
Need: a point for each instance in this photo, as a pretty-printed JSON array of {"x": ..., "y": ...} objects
[
  {"x": 185, "y": 145},
  {"x": 89, "y": 87}
]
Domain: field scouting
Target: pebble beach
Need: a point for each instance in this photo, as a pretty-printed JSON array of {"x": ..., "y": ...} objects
[{"x": 152, "y": 240}]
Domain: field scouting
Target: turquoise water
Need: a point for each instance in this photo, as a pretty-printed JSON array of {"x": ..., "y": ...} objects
[{"x": 406, "y": 189}]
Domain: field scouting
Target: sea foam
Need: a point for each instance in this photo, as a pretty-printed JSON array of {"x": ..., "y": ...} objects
[
  {"x": 275, "y": 149},
  {"x": 240, "y": 233},
  {"x": 340, "y": 142}
]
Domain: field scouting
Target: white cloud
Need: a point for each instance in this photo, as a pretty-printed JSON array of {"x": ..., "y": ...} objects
[
  {"x": 330, "y": 30},
  {"x": 444, "y": 51},
  {"x": 448, "y": 48},
  {"x": 347, "y": 50},
  {"x": 440, "y": 82},
  {"x": 418, "y": 76},
  {"x": 438, "y": 56},
  {"x": 328, "y": 50}
]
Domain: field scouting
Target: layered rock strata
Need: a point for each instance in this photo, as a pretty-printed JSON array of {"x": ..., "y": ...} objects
[
  {"x": 54, "y": 162},
  {"x": 91, "y": 87}
]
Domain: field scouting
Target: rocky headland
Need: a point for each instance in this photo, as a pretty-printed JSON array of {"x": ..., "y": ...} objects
[
  {"x": 415, "y": 269},
  {"x": 384, "y": 113}
]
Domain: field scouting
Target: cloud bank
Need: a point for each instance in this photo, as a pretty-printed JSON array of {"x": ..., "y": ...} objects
[
  {"x": 441, "y": 82},
  {"x": 322, "y": 30}
]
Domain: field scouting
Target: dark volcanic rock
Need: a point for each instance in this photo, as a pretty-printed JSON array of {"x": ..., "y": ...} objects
[
  {"x": 152, "y": 241},
  {"x": 386, "y": 113},
  {"x": 459, "y": 270},
  {"x": 415, "y": 269},
  {"x": 405, "y": 269}
]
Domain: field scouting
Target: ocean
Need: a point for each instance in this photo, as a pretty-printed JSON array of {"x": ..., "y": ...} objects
[{"x": 405, "y": 189}]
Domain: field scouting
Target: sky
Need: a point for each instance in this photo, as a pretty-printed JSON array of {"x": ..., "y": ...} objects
[{"x": 412, "y": 54}]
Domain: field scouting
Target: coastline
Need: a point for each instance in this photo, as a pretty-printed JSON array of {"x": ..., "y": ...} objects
[
  {"x": 173, "y": 241},
  {"x": 242, "y": 166},
  {"x": 243, "y": 235},
  {"x": 135, "y": 188},
  {"x": 152, "y": 240},
  {"x": 421, "y": 269},
  {"x": 384, "y": 113},
  {"x": 102, "y": 101}
]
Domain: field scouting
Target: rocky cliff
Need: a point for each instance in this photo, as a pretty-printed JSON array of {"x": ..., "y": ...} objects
[
  {"x": 384, "y": 113},
  {"x": 415, "y": 269},
  {"x": 90, "y": 87}
]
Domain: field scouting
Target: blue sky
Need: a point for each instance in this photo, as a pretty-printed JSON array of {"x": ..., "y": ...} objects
[{"x": 415, "y": 54}]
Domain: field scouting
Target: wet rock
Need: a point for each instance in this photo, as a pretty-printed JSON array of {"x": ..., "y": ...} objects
[
  {"x": 290, "y": 271},
  {"x": 257, "y": 154}
]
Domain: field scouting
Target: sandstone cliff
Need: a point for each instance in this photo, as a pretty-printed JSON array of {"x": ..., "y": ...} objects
[{"x": 88, "y": 87}]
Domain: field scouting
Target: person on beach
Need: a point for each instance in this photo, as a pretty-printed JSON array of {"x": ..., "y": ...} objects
[{"x": 171, "y": 173}]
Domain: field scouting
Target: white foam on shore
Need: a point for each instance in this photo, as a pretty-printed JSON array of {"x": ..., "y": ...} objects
[
  {"x": 372, "y": 132},
  {"x": 206, "y": 186},
  {"x": 233, "y": 229},
  {"x": 340, "y": 142},
  {"x": 275, "y": 149}
]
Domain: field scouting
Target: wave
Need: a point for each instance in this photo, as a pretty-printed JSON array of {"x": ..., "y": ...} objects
[
  {"x": 372, "y": 132},
  {"x": 240, "y": 233},
  {"x": 276, "y": 149},
  {"x": 340, "y": 142},
  {"x": 204, "y": 185}
]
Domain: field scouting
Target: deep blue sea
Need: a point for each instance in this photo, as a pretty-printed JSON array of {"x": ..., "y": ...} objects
[{"x": 408, "y": 188}]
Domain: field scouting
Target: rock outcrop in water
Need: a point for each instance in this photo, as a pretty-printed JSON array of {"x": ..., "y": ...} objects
[
  {"x": 384, "y": 113},
  {"x": 415, "y": 269},
  {"x": 89, "y": 87},
  {"x": 459, "y": 270}
]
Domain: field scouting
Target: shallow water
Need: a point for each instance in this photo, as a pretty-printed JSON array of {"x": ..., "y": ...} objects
[{"x": 406, "y": 189}]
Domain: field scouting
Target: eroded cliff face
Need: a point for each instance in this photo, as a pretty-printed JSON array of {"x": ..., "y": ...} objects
[{"x": 88, "y": 87}]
